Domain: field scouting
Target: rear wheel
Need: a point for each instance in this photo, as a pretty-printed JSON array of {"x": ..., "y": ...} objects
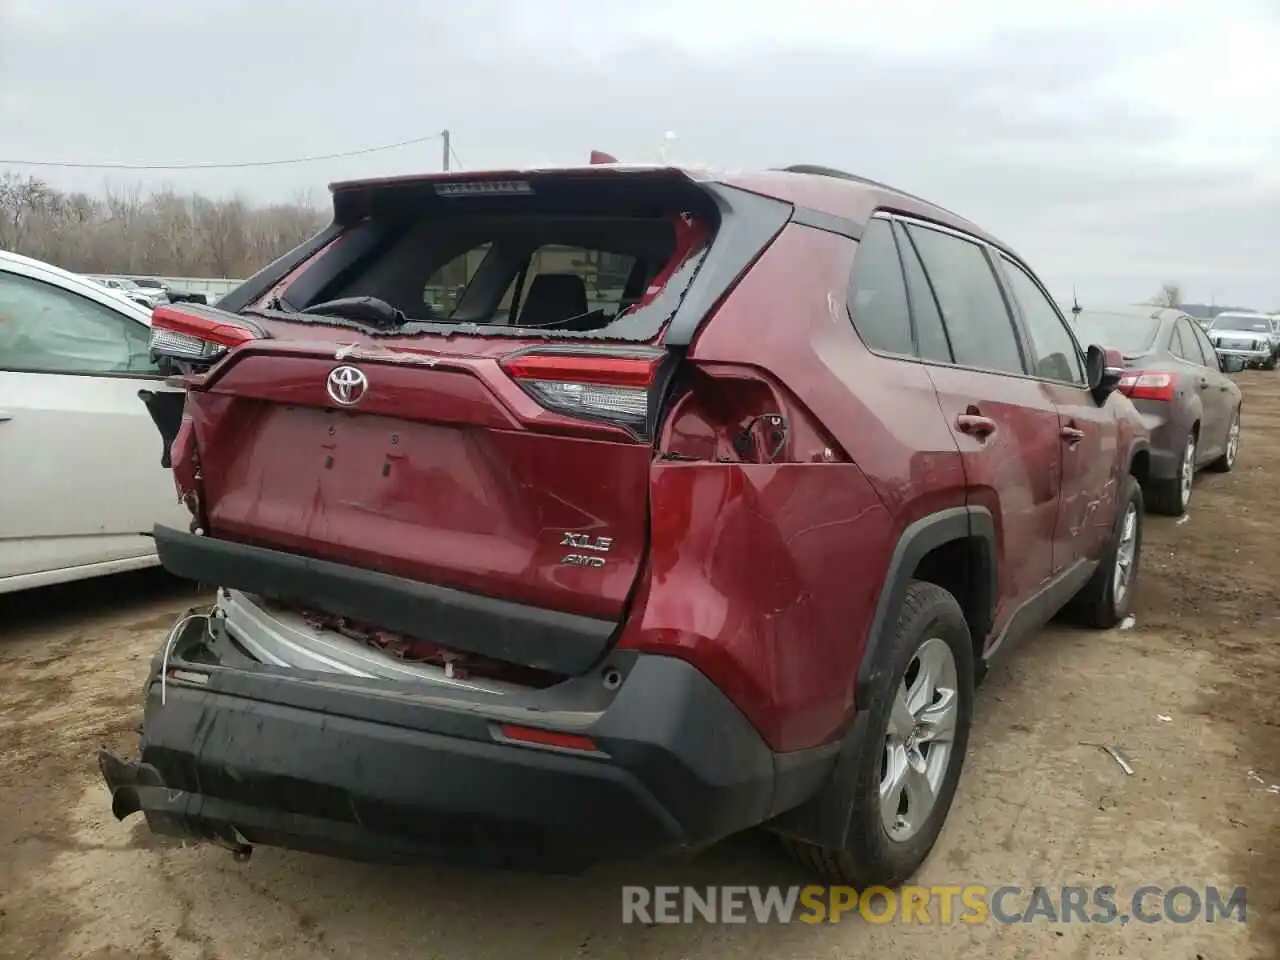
[
  {"x": 1105, "y": 600},
  {"x": 1170, "y": 497},
  {"x": 909, "y": 746},
  {"x": 1226, "y": 462},
  {"x": 1269, "y": 363}
]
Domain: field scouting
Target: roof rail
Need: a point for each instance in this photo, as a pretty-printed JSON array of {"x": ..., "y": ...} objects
[
  {"x": 818, "y": 170},
  {"x": 821, "y": 171}
]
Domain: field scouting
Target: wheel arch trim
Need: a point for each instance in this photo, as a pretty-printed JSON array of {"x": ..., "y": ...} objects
[{"x": 969, "y": 523}]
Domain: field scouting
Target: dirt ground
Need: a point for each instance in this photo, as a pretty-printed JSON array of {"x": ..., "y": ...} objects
[{"x": 1034, "y": 805}]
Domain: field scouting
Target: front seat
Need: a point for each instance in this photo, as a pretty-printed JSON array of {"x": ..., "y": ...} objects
[{"x": 552, "y": 299}]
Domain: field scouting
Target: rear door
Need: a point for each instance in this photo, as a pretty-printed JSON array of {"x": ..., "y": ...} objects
[
  {"x": 1088, "y": 433},
  {"x": 1206, "y": 382},
  {"x": 1005, "y": 423},
  {"x": 79, "y": 457},
  {"x": 1223, "y": 389}
]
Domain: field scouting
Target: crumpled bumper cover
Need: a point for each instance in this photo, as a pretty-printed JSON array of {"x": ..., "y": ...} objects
[{"x": 361, "y": 770}]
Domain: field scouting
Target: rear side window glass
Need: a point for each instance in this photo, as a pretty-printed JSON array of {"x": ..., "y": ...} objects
[
  {"x": 1053, "y": 350},
  {"x": 973, "y": 309},
  {"x": 931, "y": 336},
  {"x": 1210, "y": 354},
  {"x": 877, "y": 297},
  {"x": 444, "y": 288},
  {"x": 1178, "y": 347},
  {"x": 1194, "y": 353}
]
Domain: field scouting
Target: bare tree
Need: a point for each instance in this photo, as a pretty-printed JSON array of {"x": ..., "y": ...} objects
[
  {"x": 164, "y": 233},
  {"x": 1170, "y": 295}
]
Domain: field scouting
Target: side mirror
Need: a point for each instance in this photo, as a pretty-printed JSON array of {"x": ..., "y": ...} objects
[
  {"x": 1230, "y": 364},
  {"x": 1104, "y": 369}
]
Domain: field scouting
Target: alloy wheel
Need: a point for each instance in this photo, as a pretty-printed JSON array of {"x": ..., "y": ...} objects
[
  {"x": 1187, "y": 475},
  {"x": 1233, "y": 440},
  {"x": 919, "y": 740},
  {"x": 1126, "y": 552}
]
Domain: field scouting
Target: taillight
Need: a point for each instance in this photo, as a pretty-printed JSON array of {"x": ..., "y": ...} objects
[
  {"x": 1143, "y": 385},
  {"x": 729, "y": 414},
  {"x": 598, "y": 386},
  {"x": 181, "y": 333}
]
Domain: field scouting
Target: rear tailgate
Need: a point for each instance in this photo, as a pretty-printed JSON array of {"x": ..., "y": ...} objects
[
  {"x": 479, "y": 461},
  {"x": 446, "y": 473}
]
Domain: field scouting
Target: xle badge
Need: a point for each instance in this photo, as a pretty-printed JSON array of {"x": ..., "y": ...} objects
[{"x": 588, "y": 545}]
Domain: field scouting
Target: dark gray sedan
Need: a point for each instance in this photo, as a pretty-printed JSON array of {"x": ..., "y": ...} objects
[{"x": 1176, "y": 380}]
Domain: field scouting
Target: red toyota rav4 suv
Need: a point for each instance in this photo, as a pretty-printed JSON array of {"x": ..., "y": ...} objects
[{"x": 564, "y": 515}]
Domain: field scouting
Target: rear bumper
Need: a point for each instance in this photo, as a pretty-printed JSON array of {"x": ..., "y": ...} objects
[
  {"x": 563, "y": 643},
  {"x": 238, "y": 753}
]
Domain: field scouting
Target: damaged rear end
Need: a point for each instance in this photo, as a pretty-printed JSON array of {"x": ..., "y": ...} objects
[{"x": 417, "y": 455}]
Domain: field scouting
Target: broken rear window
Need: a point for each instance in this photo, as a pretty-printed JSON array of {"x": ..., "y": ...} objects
[{"x": 596, "y": 263}]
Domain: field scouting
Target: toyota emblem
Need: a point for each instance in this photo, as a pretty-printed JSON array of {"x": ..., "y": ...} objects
[{"x": 347, "y": 385}]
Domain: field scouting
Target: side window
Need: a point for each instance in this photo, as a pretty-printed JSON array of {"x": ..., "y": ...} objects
[
  {"x": 973, "y": 309},
  {"x": 1178, "y": 346},
  {"x": 931, "y": 336},
  {"x": 45, "y": 329},
  {"x": 1195, "y": 353},
  {"x": 444, "y": 288},
  {"x": 1054, "y": 353},
  {"x": 1206, "y": 347},
  {"x": 877, "y": 298}
]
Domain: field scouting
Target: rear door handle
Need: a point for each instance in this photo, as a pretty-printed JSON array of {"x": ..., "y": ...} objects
[
  {"x": 1204, "y": 383},
  {"x": 1072, "y": 435},
  {"x": 975, "y": 425}
]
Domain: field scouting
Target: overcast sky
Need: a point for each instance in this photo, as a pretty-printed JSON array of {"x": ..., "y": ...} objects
[{"x": 1114, "y": 144}]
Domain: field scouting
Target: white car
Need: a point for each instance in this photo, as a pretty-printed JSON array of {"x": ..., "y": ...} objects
[
  {"x": 80, "y": 457},
  {"x": 130, "y": 290}
]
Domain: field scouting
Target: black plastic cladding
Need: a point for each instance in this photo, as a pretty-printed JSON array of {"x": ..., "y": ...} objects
[
  {"x": 357, "y": 242},
  {"x": 274, "y": 272},
  {"x": 755, "y": 221}
]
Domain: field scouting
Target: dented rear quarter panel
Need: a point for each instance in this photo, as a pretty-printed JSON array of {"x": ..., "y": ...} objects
[{"x": 773, "y": 587}]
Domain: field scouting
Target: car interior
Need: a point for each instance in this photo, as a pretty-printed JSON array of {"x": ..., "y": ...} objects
[{"x": 567, "y": 274}]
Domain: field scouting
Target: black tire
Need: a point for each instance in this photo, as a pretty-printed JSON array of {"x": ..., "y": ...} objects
[
  {"x": 871, "y": 856},
  {"x": 1166, "y": 497},
  {"x": 1096, "y": 604},
  {"x": 1269, "y": 364},
  {"x": 1226, "y": 463}
]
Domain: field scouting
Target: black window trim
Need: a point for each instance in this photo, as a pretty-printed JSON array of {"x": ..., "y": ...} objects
[
  {"x": 1019, "y": 335},
  {"x": 106, "y": 374},
  {"x": 901, "y": 237},
  {"x": 993, "y": 254}
]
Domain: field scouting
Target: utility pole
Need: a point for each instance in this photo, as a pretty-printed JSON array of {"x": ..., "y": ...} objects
[{"x": 445, "y": 151}]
